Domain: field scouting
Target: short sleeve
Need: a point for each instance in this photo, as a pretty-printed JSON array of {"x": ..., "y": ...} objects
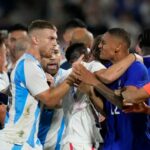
[
  {"x": 35, "y": 78},
  {"x": 137, "y": 75}
]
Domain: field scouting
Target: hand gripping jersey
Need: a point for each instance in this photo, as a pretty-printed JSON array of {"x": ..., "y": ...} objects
[{"x": 80, "y": 122}]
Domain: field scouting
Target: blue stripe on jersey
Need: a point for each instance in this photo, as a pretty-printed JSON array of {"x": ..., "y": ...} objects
[
  {"x": 45, "y": 123},
  {"x": 31, "y": 139},
  {"x": 60, "y": 132},
  {"x": 21, "y": 92},
  {"x": 17, "y": 147}
]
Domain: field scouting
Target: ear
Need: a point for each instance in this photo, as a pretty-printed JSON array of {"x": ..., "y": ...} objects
[
  {"x": 118, "y": 48},
  {"x": 35, "y": 40}
]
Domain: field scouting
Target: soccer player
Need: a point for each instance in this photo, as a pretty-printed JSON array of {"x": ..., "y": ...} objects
[
  {"x": 15, "y": 32},
  {"x": 123, "y": 132},
  {"x": 30, "y": 89},
  {"x": 52, "y": 122},
  {"x": 81, "y": 131}
]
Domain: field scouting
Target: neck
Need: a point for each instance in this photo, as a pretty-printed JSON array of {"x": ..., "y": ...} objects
[
  {"x": 120, "y": 56},
  {"x": 34, "y": 52}
]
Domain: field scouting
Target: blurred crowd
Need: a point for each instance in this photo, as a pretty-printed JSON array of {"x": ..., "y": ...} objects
[
  {"x": 74, "y": 74},
  {"x": 99, "y": 15}
]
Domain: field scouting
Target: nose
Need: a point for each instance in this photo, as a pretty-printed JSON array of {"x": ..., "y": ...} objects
[
  {"x": 100, "y": 45},
  {"x": 55, "y": 42},
  {"x": 52, "y": 55}
]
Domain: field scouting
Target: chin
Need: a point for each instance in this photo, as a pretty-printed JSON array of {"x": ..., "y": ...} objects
[
  {"x": 103, "y": 58},
  {"x": 52, "y": 72}
]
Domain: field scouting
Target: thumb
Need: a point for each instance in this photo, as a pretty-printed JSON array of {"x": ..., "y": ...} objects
[{"x": 80, "y": 58}]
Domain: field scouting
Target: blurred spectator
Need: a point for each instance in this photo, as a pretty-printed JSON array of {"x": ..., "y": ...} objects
[{"x": 15, "y": 33}]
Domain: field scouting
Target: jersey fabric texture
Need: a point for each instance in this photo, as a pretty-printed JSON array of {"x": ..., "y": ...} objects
[
  {"x": 52, "y": 124},
  {"x": 127, "y": 131},
  {"x": 28, "y": 79},
  {"x": 80, "y": 122}
]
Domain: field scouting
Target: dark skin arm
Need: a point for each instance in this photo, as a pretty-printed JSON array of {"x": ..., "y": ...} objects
[
  {"x": 96, "y": 100},
  {"x": 89, "y": 78},
  {"x": 138, "y": 108},
  {"x": 136, "y": 96}
]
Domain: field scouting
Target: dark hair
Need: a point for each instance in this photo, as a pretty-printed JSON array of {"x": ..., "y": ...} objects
[
  {"x": 17, "y": 27},
  {"x": 121, "y": 33},
  {"x": 40, "y": 24},
  {"x": 74, "y": 23},
  {"x": 74, "y": 51},
  {"x": 144, "y": 38},
  {"x": 95, "y": 51}
]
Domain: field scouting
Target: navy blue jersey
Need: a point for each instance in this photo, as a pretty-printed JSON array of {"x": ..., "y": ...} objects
[
  {"x": 66, "y": 65},
  {"x": 127, "y": 131}
]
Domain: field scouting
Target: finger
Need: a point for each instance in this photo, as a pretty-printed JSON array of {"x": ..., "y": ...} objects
[
  {"x": 76, "y": 67},
  {"x": 125, "y": 101},
  {"x": 118, "y": 92},
  {"x": 127, "y": 104},
  {"x": 127, "y": 110},
  {"x": 123, "y": 89},
  {"x": 80, "y": 58}
]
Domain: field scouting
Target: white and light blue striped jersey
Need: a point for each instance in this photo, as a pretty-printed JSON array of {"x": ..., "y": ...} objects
[
  {"x": 52, "y": 124},
  {"x": 28, "y": 80}
]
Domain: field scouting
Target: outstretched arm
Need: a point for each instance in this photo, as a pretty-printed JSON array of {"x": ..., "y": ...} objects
[
  {"x": 136, "y": 96},
  {"x": 116, "y": 70},
  {"x": 96, "y": 100},
  {"x": 89, "y": 78},
  {"x": 53, "y": 96},
  {"x": 138, "y": 108}
]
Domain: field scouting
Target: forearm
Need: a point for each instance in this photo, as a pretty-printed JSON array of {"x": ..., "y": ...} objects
[
  {"x": 97, "y": 102},
  {"x": 116, "y": 70},
  {"x": 109, "y": 95},
  {"x": 52, "y": 97},
  {"x": 140, "y": 95},
  {"x": 57, "y": 93}
]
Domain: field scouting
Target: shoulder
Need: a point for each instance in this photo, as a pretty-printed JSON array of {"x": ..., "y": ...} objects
[
  {"x": 94, "y": 66},
  {"x": 137, "y": 67},
  {"x": 137, "y": 75}
]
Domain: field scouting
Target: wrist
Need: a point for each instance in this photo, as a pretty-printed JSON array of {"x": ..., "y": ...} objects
[{"x": 70, "y": 80}]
